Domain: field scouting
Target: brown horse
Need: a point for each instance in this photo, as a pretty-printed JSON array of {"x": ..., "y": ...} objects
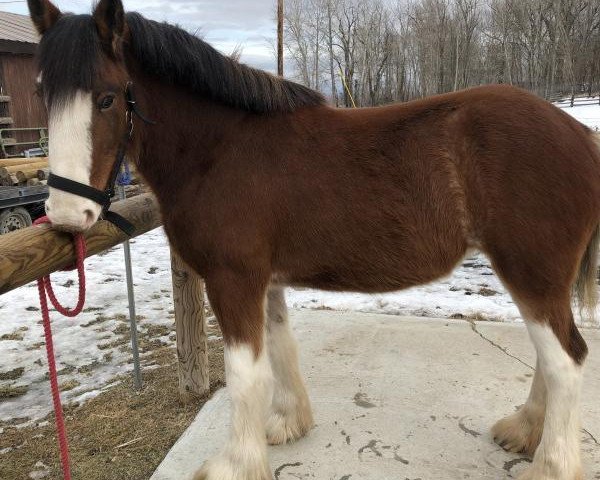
[{"x": 262, "y": 185}]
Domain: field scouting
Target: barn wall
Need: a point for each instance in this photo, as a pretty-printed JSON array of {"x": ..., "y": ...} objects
[{"x": 17, "y": 75}]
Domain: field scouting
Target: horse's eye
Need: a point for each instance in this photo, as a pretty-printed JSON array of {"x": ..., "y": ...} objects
[{"x": 107, "y": 102}]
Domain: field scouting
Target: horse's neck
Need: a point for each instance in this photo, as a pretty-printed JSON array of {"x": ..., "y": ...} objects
[{"x": 182, "y": 142}]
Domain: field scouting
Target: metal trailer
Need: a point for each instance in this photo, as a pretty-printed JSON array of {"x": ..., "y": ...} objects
[{"x": 20, "y": 206}]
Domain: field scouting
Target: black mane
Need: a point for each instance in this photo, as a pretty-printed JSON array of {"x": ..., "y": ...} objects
[
  {"x": 67, "y": 57},
  {"x": 69, "y": 53},
  {"x": 180, "y": 58}
]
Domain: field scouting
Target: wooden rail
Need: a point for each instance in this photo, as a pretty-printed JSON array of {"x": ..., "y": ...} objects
[{"x": 28, "y": 254}]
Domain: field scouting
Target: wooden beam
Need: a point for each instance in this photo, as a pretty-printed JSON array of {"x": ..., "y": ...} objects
[
  {"x": 6, "y": 171},
  {"x": 21, "y": 161},
  {"x": 190, "y": 326},
  {"x": 28, "y": 254}
]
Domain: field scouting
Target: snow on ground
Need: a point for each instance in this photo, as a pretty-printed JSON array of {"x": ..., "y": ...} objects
[
  {"x": 93, "y": 348},
  {"x": 473, "y": 291},
  {"x": 587, "y": 114}
]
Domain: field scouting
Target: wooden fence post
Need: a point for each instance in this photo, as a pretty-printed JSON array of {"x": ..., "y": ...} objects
[{"x": 190, "y": 326}]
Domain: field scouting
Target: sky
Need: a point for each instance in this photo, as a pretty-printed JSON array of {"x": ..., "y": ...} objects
[{"x": 224, "y": 23}]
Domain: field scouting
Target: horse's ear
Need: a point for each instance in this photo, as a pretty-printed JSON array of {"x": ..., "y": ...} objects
[
  {"x": 44, "y": 14},
  {"x": 110, "y": 22}
]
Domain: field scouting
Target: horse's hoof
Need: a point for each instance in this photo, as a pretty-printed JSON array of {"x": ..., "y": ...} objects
[
  {"x": 223, "y": 468},
  {"x": 520, "y": 432},
  {"x": 282, "y": 428}
]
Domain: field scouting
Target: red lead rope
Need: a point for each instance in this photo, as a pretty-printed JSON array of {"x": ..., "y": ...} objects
[{"x": 45, "y": 287}]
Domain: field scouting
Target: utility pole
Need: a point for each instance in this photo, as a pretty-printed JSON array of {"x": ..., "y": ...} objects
[
  {"x": 280, "y": 38},
  {"x": 334, "y": 97}
]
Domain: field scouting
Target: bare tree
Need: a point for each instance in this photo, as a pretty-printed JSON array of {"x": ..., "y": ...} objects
[{"x": 371, "y": 51}]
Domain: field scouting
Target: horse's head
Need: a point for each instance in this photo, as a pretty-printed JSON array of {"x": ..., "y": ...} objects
[{"x": 84, "y": 83}]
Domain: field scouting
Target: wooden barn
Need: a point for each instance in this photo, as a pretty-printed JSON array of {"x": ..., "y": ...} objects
[{"x": 23, "y": 119}]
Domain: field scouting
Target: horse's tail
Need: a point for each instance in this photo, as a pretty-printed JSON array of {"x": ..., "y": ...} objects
[{"x": 585, "y": 288}]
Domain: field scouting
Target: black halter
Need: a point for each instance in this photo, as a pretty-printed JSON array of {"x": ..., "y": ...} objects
[{"x": 104, "y": 197}]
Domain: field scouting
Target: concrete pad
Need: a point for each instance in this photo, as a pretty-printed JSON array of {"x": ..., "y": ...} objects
[{"x": 400, "y": 399}]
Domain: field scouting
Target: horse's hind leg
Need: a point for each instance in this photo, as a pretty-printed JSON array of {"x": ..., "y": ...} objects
[
  {"x": 561, "y": 351},
  {"x": 539, "y": 256},
  {"x": 521, "y": 432},
  {"x": 238, "y": 301},
  {"x": 290, "y": 415}
]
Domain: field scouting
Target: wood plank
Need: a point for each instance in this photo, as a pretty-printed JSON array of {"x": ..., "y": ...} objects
[
  {"x": 4, "y": 171},
  {"x": 190, "y": 326},
  {"x": 28, "y": 254},
  {"x": 21, "y": 161}
]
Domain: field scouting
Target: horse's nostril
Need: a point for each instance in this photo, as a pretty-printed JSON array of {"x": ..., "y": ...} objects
[{"x": 89, "y": 216}]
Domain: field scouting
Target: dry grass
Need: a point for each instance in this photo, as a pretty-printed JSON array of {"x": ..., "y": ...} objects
[
  {"x": 16, "y": 336},
  {"x": 120, "y": 435},
  {"x": 12, "y": 391},
  {"x": 14, "y": 374},
  {"x": 487, "y": 292}
]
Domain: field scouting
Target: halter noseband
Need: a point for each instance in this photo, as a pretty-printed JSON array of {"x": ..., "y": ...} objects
[{"x": 104, "y": 197}]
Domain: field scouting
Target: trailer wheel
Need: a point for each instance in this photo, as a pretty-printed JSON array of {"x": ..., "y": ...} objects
[{"x": 14, "y": 219}]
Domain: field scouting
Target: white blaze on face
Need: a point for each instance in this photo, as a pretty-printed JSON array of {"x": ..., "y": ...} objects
[{"x": 70, "y": 156}]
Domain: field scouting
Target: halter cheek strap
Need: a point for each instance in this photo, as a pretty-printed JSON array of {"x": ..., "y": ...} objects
[{"x": 104, "y": 197}]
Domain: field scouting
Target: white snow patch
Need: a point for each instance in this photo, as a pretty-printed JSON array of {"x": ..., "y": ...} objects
[
  {"x": 88, "y": 396},
  {"x": 587, "y": 114},
  {"x": 472, "y": 291},
  {"x": 43, "y": 472}
]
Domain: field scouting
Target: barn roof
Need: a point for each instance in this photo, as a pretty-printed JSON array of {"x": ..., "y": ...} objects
[{"x": 17, "y": 34}]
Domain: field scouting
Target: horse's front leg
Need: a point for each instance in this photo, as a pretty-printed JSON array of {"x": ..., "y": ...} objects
[{"x": 238, "y": 302}]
